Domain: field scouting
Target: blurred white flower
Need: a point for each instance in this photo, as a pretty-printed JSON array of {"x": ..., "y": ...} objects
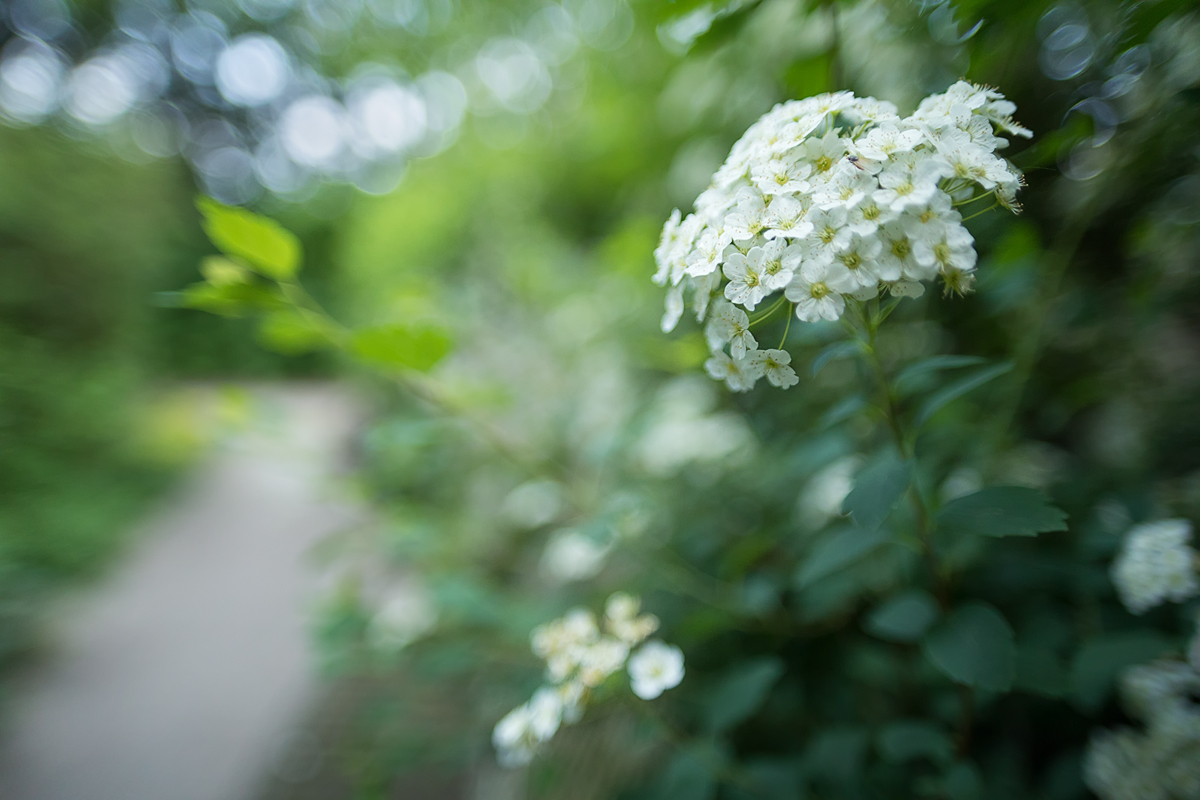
[
  {"x": 1156, "y": 564},
  {"x": 654, "y": 668},
  {"x": 406, "y": 613},
  {"x": 822, "y": 496},
  {"x": 523, "y": 730},
  {"x": 573, "y": 556}
]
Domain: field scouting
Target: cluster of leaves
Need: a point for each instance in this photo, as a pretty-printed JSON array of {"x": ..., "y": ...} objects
[{"x": 949, "y": 630}]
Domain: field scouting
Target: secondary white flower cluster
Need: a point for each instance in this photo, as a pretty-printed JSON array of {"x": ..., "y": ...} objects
[
  {"x": 1156, "y": 564},
  {"x": 1164, "y": 762},
  {"x": 579, "y": 656},
  {"x": 831, "y": 196}
]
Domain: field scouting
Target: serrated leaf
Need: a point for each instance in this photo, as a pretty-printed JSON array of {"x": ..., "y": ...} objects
[
  {"x": 397, "y": 345},
  {"x": 265, "y": 245},
  {"x": 957, "y": 389},
  {"x": 741, "y": 692},
  {"x": 877, "y": 489},
  {"x": 912, "y": 374},
  {"x": 1002, "y": 511},
  {"x": 1101, "y": 660},
  {"x": 906, "y": 740},
  {"x": 838, "y": 551},
  {"x": 903, "y": 618},
  {"x": 832, "y": 352},
  {"x": 974, "y": 646}
]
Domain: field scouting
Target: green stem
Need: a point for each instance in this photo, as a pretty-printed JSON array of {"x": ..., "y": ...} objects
[
  {"x": 788, "y": 327},
  {"x": 768, "y": 313},
  {"x": 891, "y": 412},
  {"x": 981, "y": 213}
]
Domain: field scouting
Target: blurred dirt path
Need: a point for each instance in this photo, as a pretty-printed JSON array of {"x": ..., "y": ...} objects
[{"x": 183, "y": 675}]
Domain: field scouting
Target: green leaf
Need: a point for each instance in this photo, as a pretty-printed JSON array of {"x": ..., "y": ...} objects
[
  {"x": 397, "y": 345},
  {"x": 907, "y": 740},
  {"x": 958, "y": 389},
  {"x": 1002, "y": 511},
  {"x": 290, "y": 331},
  {"x": 268, "y": 247},
  {"x": 843, "y": 411},
  {"x": 903, "y": 618},
  {"x": 974, "y": 646},
  {"x": 1101, "y": 661},
  {"x": 840, "y": 550},
  {"x": 229, "y": 300},
  {"x": 741, "y": 692},
  {"x": 1039, "y": 671},
  {"x": 877, "y": 489},
  {"x": 832, "y": 352},
  {"x": 220, "y": 271},
  {"x": 690, "y": 775},
  {"x": 912, "y": 374}
]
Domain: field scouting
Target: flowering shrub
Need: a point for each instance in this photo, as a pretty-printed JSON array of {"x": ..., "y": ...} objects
[{"x": 832, "y": 197}]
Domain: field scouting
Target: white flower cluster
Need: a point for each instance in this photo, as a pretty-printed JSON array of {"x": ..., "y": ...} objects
[
  {"x": 1164, "y": 762},
  {"x": 833, "y": 196},
  {"x": 1156, "y": 564},
  {"x": 579, "y": 657}
]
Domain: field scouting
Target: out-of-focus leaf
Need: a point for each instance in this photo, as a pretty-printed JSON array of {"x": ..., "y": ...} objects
[
  {"x": 906, "y": 740},
  {"x": 690, "y": 775},
  {"x": 832, "y": 352},
  {"x": 837, "y": 754},
  {"x": 1002, "y": 511},
  {"x": 843, "y": 411},
  {"x": 228, "y": 300},
  {"x": 840, "y": 550},
  {"x": 220, "y": 271},
  {"x": 1039, "y": 671},
  {"x": 1100, "y": 661},
  {"x": 768, "y": 779},
  {"x": 957, "y": 389},
  {"x": 913, "y": 373},
  {"x": 961, "y": 782},
  {"x": 291, "y": 331},
  {"x": 877, "y": 489},
  {"x": 903, "y": 618},
  {"x": 417, "y": 347},
  {"x": 264, "y": 244},
  {"x": 974, "y": 646},
  {"x": 740, "y": 693}
]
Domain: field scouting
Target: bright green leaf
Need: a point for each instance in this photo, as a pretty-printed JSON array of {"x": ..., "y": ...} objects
[
  {"x": 741, "y": 692},
  {"x": 291, "y": 332},
  {"x": 957, "y": 389},
  {"x": 397, "y": 345},
  {"x": 229, "y": 300},
  {"x": 264, "y": 244},
  {"x": 907, "y": 740},
  {"x": 1002, "y": 511},
  {"x": 974, "y": 646},
  {"x": 877, "y": 489},
  {"x": 840, "y": 550},
  {"x": 903, "y": 618},
  {"x": 220, "y": 271}
]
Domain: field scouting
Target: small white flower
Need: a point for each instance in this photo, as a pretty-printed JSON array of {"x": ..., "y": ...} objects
[
  {"x": 829, "y": 233},
  {"x": 815, "y": 299},
  {"x": 703, "y": 290},
  {"x": 739, "y": 374},
  {"x": 745, "y": 278},
  {"x": 654, "y": 668},
  {"x": 601, "y": 660},
  {"x": 674, "y": 308},
  {"x": 823, "y": 154},
  {"x": 953, "y": 251},
  {"x": 910, "y": 181},
  {"x": 785, "y": 219},
  {"x": 775, "y": 366},
  {"x": 847, "y": 185},
  {"x": 749, "y": 220},
  {"x": 887, "y": 140},
  {"x": 730, "y": 324},
  {"x": 782, "y": 175},
  {"x": 519, "y": 735},
  {"x": 708, "y": 253},
  {"x": 1156, "y": 564},
  {"x": 912, "y": 289}
]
